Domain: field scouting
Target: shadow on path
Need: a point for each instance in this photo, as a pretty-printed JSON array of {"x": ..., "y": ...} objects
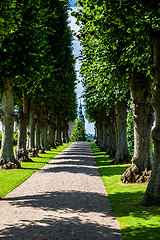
[
  {"x": 75, "y": 200},
  {"x": 62, "y": 229}
]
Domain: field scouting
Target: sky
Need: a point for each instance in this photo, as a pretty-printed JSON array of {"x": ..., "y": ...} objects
[
  {"x": 76, "y": 51},
  {"x": 72, "y": 3}
]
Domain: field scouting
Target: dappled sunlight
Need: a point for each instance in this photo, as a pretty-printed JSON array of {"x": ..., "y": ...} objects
[
  {"x": 65, "y": 228},
  {"x": 141, "y": 231},
  {"x": 53, "y": 201}
]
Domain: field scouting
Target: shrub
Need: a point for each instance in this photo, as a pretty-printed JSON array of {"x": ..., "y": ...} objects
[
  {"x": 78, "y": 133},
  {"x": 15, "y": 139}
]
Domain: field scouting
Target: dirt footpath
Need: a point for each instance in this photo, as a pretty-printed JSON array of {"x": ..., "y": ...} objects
[{"x": 65, "y": 200}]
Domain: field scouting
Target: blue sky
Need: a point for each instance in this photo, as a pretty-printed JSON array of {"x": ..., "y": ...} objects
[{"x": 72, "y": 3}]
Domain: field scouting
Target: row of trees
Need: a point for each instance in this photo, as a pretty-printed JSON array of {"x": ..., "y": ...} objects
[
  {"x": 121, "y": 68},
  {"x": 37, "y": 76}
]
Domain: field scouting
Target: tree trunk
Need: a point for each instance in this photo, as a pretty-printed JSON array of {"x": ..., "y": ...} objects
[
  {"x": 95, "y": 131},
  {"x": 112, "y": 136},
  {"x": 46, "y": 142},
  {"x": 105, "y": 135},
  {"x": 66, "y": 137},
  {"x": 142, "y": 113},
  {"x": 152, "y": 194},
  {"x": 7, "y": 160},
  {"x": 58, "y": 132},
  {"x": 21, "y": 153},
  {"x": 122, "y": 152},
  {"x": 37, "y": 136},
  {"x": 31, "y": 132},
  {"x": 51, "y": 136},
  {"x": 59, "y": 136},
  {"x": 42, "y": 149},
  {"x": 63, "y": 136},
  {"x": 99, "y": 133},
  {"x": 106, "y": 138},
  {"x": 54, "y": 135}
]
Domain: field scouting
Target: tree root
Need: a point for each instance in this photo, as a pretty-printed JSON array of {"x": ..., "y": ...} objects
[
  {"x": 122, "y": 158},
  {"x": 134, "y": 175},
  {"x": 112, "y": 154},
  {"x": 21, "y": 155},
  {"x": 53, "y": 146},
  {"x": 32, "y": 152},
  {"x": 9, "y": 165},
  {"x": 58, "y": 143},
  {"x": 42, "y": 150}
]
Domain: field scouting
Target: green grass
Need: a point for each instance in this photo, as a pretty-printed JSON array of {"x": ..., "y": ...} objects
[
  {"x": 10, "y": 179},
  {"x": 136, "y": 223}
]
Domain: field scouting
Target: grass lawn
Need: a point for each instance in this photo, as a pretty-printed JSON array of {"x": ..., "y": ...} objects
[
  {"x": 136, "y": 223},
  {"x": 10, "y": 179}
]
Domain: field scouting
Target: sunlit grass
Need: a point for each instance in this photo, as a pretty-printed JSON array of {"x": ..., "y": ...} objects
[
  {"x": 136, "y": 222},
  {"x": 10, "y": 179}
]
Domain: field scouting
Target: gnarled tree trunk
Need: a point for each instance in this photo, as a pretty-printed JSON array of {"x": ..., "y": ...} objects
[
  {"x": 7, "y": 159},
  {"x": 142, "y": 113},
  {"x": 122, "y": 152},
  {"x": 152, "y": 194},
  {"x": 21, "y": 153}
]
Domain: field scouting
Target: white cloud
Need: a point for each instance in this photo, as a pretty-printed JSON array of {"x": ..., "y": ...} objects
[{"x": 72, "y": 21}]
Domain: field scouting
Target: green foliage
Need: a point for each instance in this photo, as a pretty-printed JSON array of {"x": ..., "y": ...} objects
[
  {"x": 11, "y": 179},
  {"x": 135, "y": 222},
  {"x": 115, "y": 36},
  {"x": 10, "y": 17},
  {"x": 36, "y": 52},
  {"x": 130, "y": 133},
  {"x": 78, "y": 133},
  {"x": 15, "y": 139}
]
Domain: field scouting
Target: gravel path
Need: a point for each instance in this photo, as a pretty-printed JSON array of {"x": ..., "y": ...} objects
[{"x": 65, "y": 200}]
